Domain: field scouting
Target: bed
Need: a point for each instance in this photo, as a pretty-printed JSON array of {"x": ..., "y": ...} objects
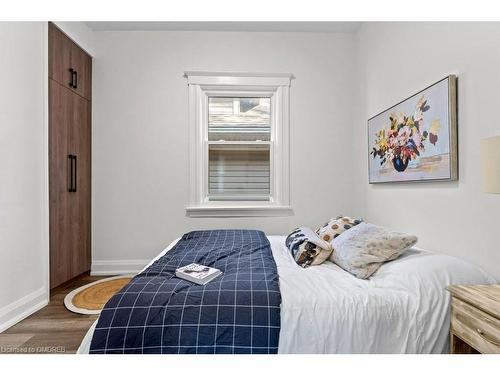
[{"x": 402, "y": 308}]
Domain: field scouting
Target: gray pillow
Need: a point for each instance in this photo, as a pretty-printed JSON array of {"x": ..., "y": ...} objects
[{"x": 362, "y": 249}]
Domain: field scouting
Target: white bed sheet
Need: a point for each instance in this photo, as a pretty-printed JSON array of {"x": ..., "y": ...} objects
[{"x": 402, "y": 308}]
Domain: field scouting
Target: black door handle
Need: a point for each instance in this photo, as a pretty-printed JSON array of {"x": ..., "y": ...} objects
[
  {"x": 75, "y": 173},
  {"x": 72, "y": 82},
  {"x": 70, "y": 173},
  {"x": 75, "y": 86}
]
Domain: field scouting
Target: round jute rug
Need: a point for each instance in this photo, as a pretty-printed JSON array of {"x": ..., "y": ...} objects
[{"x": 91, "y": 298}]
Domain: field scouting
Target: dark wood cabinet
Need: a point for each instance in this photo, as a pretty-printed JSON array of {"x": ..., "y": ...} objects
[
  {"x": 69, "y": 161},
  {"x": 69, "y": 65}
]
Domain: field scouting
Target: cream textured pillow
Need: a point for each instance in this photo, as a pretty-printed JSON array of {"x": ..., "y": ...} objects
[{"x": 362, "y": 249}]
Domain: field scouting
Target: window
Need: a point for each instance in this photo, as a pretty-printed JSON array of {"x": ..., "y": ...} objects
[
  {"x": 239, "y": 145},
  {"x": 239, "y": 140}
]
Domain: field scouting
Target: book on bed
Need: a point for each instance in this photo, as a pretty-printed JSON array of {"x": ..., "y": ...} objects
[{"x": 197, "y": 273}]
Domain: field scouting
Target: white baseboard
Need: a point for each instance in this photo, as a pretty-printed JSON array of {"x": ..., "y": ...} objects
[
  {"x": 117, "y": 267},
  {"x": 22, "y": 308}
]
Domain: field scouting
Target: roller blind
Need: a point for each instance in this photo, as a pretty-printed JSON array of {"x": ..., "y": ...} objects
[{"x": 239, "y": 171}]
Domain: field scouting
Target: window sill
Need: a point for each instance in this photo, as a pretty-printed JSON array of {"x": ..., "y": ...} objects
[{"x": 238, "y": 211}]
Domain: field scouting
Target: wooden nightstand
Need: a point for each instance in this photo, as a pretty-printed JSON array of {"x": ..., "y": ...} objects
[{"x": 475, "y": 319}]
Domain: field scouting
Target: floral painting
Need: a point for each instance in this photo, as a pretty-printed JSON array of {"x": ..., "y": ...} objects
[{"x": 415, "y": 140}]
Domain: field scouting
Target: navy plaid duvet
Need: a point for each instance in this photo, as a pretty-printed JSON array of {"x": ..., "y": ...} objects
[{"x": 238, "y": 312}]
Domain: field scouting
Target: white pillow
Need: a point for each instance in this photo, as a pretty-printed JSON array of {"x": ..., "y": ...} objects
[{"x": 362, "y": 249}]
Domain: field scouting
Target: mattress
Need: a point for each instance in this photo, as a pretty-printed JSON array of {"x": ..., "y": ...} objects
[{"x": 403, "y": 308}]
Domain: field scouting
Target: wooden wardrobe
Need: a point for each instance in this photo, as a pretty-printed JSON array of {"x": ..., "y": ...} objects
[{"x": 70, "y": 87}]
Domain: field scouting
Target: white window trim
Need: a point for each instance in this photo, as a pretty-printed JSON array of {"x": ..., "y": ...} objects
[{"x": 203, "y": 84}]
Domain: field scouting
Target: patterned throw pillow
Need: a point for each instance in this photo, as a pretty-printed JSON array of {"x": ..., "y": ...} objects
[
  {"x": 363, "y": 249},
  {"x": 336, "y": 226},
  {"x": 307, "y": 248}
]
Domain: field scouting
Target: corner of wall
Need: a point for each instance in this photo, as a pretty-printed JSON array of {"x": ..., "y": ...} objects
[
  {"x": 117, "y": 267},
  {"x": 22, "y": 308},
  {"x": 359, "y": 118}
]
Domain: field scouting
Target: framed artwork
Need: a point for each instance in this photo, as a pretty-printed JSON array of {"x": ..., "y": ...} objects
[{"x": 416, "y": 139}]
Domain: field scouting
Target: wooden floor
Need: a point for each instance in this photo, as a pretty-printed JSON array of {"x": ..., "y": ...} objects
[{"x": 53, "y": 329}]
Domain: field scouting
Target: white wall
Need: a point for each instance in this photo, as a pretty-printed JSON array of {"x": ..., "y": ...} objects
[
  {"x": 395, "y": 60},
  {"x": 80, "y": 33},
  {"x": 23, "y": 174},
  {"x": 140, "y": 132}
]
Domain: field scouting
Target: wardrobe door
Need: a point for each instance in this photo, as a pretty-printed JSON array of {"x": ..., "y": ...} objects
[
  {"x": 60, "y": 47},
  {"x": 70, "y": 72},
  {"x": 61, "y": 245},
  {"x": 82, "y": 65},
  {"x": 80, "y": 201}
]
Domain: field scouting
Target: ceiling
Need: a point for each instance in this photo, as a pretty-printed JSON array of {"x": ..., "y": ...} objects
[{"x": 327, "y": 27}]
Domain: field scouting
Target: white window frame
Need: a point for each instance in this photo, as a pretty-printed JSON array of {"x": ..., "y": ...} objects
[{"x": 277, "y": 87}]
